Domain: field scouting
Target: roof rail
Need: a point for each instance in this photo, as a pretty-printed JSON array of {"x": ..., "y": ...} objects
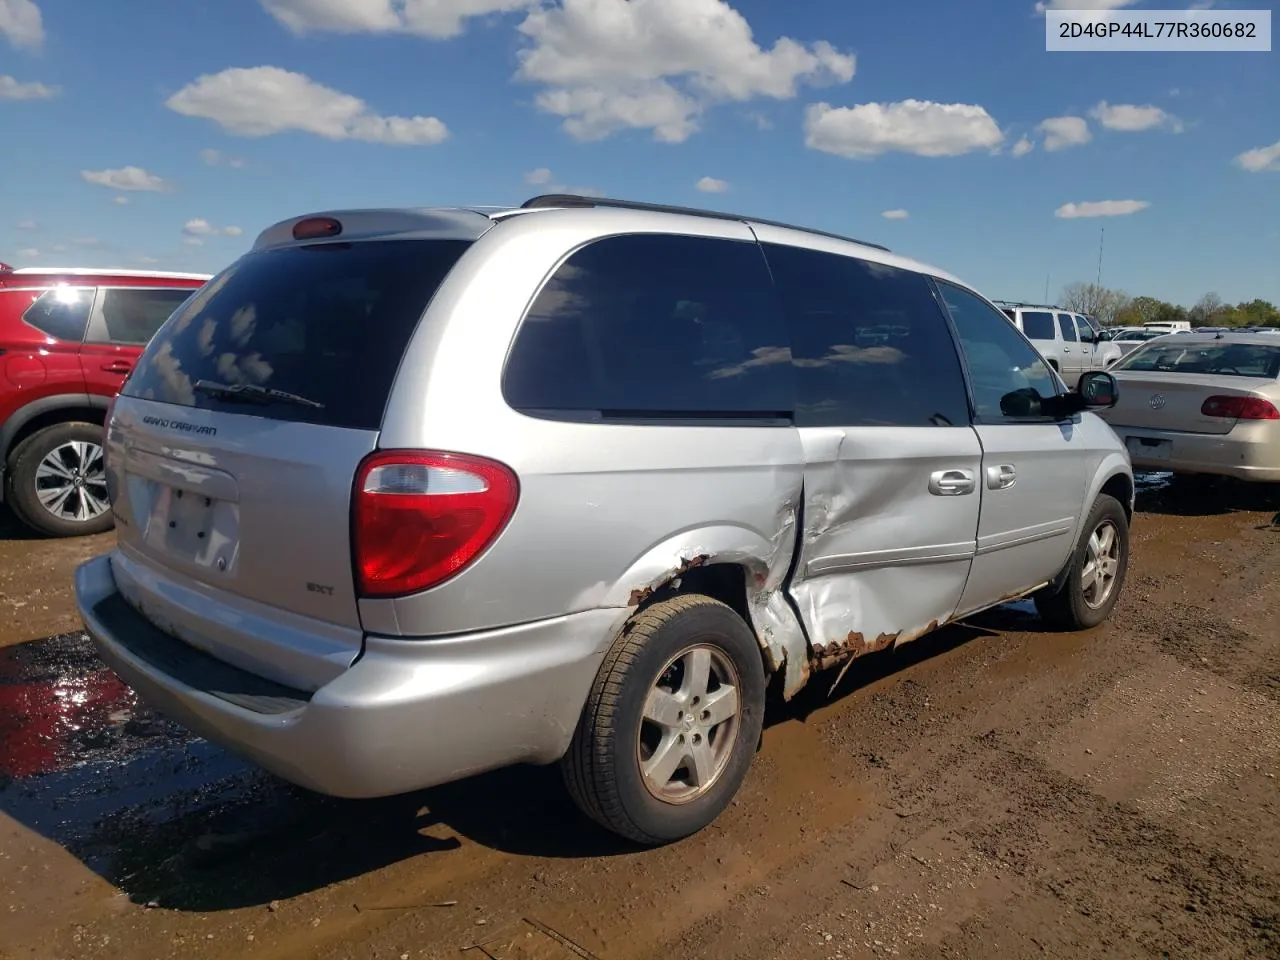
[
  {"x": 551, "y": 200},
  {"x": 1038, "y": 306}
]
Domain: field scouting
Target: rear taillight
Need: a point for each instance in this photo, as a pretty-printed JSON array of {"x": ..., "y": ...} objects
[
  {"x": 418, "y": 518},
  {"x": 1240, "y": 408}
]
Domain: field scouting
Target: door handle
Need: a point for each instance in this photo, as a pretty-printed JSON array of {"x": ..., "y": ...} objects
[
  {"x": 951, "y": 483},
  {"x": 117, "y": 366},
  {"x": 1001, "y": 477}
]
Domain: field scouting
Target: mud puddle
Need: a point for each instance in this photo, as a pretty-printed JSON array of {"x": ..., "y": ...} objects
[{"x": 84, "y": 763}]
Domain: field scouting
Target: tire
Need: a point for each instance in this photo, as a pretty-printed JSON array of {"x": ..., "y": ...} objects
[
  {"x": 1074, "y": 606},
  {"x": 602, "y": 769},
  {"x": 26, "y": 479}
]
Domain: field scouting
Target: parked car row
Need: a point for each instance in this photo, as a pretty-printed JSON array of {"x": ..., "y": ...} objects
[
  {"x": 1072, "y": 343},
  {"x": 403, "y": 496},
  {"x": 68, "y": 339}
]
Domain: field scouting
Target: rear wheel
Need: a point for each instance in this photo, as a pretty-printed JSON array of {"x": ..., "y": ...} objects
[
  {"x": 1096, "y": 576},
  {"x": 671, "y": 723},
  {"x": 58, "y": 481}
]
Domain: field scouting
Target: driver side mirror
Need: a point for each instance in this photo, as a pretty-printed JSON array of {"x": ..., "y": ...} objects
[{"x": 1098, "y": 390}]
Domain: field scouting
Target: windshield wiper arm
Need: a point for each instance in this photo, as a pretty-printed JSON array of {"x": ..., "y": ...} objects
[{"x": 252, "y": 393}]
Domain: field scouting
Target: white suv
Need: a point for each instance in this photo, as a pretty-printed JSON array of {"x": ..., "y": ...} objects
[{"x": 1071, "y": 342}]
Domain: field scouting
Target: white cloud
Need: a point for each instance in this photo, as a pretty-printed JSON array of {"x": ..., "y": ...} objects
[
  {"x": 260, "y": 101},
  {"x": 1260, "y": 158},
  {"x": 202, "y": 228},
  {"x": 28, "y": 253},
  {"x": 545, "y": 180},
  {"x": 28, "y": 225},
  {"x": 20, "y": 21},
  {"x": 1083, "y": 5},
  {"x": 1100, "y": 208},
  {"x": 1023, "y": 147},
  {"x": 216, "y": 158},
  {"x": 898, "y": 214},
  {"x": 1130, "y": 118},
  {"x": 59, "y": 248},
  {"x": 610, "y": 65},
  {"x": 712, "y": 185},
  {"x": 1063, "y": 132},
  {"x": 126, "y": 178},
  {"x": 146, "y": 261},
  {"x": 86, "y": 241},
  {"x": 761, "y": 120},
  {"x": 11, "y": 89},
  {"x": 120, "y": 201},
  {"x": 427, "y": 18},
  {"x": 922, "y": 127},
  {"x": 193, "y": 241}
]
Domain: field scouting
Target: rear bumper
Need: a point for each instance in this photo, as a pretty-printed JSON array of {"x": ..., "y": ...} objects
[
  {"x": 1249, "y": 452},
  {"x": 407, "y": 714}
]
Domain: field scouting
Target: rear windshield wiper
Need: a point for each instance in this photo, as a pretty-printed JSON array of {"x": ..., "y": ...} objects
[{"x": 252, "y": 393}]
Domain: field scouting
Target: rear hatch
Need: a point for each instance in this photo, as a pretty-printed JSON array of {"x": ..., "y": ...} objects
[
  {"x": 1165, "y": 383},
  {"x": 234, "y": 444}
]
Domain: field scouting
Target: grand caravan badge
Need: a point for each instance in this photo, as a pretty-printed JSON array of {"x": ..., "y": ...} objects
[{"x": 181, "y": 426}]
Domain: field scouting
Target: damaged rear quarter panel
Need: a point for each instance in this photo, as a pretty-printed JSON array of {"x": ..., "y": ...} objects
[{"x": 764, "y": 560}]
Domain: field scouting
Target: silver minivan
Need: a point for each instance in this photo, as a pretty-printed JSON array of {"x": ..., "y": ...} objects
[{"x": 404, "y": 496}]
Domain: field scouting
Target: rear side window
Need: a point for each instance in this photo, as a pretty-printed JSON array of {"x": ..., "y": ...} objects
[
  {"x": 132, "y": 316},
  {"x": 872, "y": 346},
  {"x": 326, "y": 322},
  {"x": 61, "y": 312},
  {"x": 1038, "y": 325},
  {"x": 1068, "y": 328},
  {"x": 653, "y": 326}
]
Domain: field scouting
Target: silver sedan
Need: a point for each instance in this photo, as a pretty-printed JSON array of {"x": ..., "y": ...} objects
[{"x": 1202, "y": 403}]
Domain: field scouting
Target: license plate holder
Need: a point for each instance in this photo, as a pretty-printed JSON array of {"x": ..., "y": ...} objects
[
  {"x": 189, "y": 526},
  {"x": 1149, "y": 448}
]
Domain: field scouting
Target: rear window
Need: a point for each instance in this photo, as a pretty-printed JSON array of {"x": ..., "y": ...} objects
[
  {"x": 653, "y": 326},
  {"x": 1038, "y": 325},
  {"x": 61, "y": 312},
  {"x": 1226, "y": 359},
  {"x": 326, "y": 322}
]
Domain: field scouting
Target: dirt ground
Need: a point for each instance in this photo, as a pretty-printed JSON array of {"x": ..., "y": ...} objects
[{"x": 990, "y": 791}]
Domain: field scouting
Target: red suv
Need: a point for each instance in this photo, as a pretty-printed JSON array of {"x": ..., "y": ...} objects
[{"x": 68, "y": 339}]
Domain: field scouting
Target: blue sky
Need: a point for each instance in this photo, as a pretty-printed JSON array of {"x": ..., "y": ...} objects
[{"x": 154, "y": 131}]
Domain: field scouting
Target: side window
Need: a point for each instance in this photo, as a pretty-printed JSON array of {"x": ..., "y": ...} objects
[
  {"x": 1009, "y": 379},
  {"x": 133, "y": 316},
  {"x": 61, "y": 312},
  {"x": 1068, "y": 328},
  {"x": 1038, "y": 325},
  {"x": 654, "y": 326},
  {"x": 871, "y": 346}
]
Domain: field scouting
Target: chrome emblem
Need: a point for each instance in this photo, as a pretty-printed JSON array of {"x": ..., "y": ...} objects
[{"x": 1157, "y": 401}]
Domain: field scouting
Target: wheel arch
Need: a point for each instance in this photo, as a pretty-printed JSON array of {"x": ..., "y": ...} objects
[
  {"x": 738, "y": 566},
  {"x": 47, "y": 412}
]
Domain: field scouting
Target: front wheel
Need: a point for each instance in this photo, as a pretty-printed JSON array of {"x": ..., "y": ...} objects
[
  {"x": 671, "y": 723},
  {"x": 1097, "y": 571}
]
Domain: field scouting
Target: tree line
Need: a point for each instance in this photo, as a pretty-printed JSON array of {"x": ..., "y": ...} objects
[{"x": 1116, "y": 308}]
